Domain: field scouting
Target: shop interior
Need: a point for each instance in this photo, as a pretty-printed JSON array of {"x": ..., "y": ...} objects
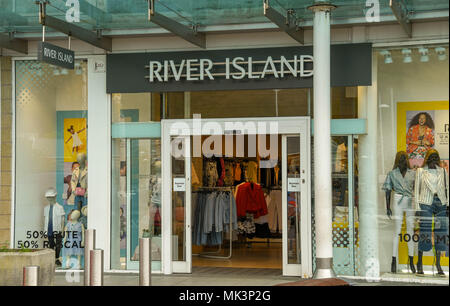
[{"x": 256, "y": 236}]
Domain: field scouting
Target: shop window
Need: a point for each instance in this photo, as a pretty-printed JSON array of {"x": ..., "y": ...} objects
[
  {"x": 413, "y": 118},
  {"x": 51, "y": 195}
]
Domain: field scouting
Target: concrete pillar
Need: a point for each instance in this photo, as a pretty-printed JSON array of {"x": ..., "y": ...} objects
[{"x": 322, "y": 139}]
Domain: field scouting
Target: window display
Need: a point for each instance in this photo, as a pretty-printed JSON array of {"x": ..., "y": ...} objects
[
  {"x": 51, "y": 195},
  {"x": 413, "y": 117}
]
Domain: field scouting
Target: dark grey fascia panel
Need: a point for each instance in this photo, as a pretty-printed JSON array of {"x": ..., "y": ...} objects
[
  {"x": 188, "y": 34},
  {"x": 284, "y": 23},
  {"x": 78, "y": 32},
  {"x": 15, "y": 44},
  {"x": 400, "y": 11},
  {"x": 351, "y": 65}
]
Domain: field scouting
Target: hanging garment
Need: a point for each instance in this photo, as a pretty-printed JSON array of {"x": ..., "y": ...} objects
[
  {"x": 250, "y": 199},
  {"x": 212, "y": 217},
  {"x": 211, "y": 174},
  {"x": 229, "y": 174},
  {"x": 237, "y": 172},
  {"x": 221, "y": 172},
  {"x": 275, "y": 211},
  {"x": 252, "y": 172},
  {"x": 195, "y": 179}
]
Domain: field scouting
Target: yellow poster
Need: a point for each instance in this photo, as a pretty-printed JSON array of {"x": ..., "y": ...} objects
[
  {"x": 434, "y": 117},
  {"x": 75, "y": 138}
]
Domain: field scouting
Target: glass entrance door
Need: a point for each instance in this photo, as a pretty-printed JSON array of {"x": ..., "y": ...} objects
[
  {"x": 296, "y": 207},
  {"x": 181, "y": 239}
]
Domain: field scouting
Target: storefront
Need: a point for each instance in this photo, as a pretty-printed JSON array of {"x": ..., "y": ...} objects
[
  {"x": 132, "y": 118},
  {"x": 184, "y": 179}
]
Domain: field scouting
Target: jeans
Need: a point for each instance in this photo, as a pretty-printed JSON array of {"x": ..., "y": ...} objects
[
  {"x": 55, "y": 243},
  {"x": 80, "y": 202},
  {"x": 403, "y": 205},
  {"x": 440, "y": 226}
]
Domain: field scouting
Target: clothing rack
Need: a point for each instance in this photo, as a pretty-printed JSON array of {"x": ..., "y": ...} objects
[{"x": 210, "y": 254}]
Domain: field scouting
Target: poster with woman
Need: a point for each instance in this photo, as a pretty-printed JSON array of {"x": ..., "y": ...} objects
[
  {"x": 422, "y": 126},
  {"x": 420, "y": 135}
]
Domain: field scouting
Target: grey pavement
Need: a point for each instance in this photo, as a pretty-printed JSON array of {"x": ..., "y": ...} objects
[{"x": 232, "y": 277}]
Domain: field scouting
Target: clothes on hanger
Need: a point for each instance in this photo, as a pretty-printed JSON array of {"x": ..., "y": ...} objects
[
  {"x": 212, "y": 217},
  {"x": 275, "y": 211},
  {"x": 252, "y": 172},
  {"x": 229, "y": 174},
  {"x": 211, "y": 175},
  {"x": 250, "y": 199}
]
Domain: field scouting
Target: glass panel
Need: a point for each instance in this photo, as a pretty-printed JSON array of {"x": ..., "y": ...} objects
[
  {"x": 119, "y": 205},
  {"x": 51, "y": 159},
  {"x": 178, "y": 199},
  {"x": 119, "y": 14},
  {"x": 341, "y": 235},
  {"x": 140, "y": 107},
  {"x": 140, "y": 186},
  {"x": 293, "y": 200}
]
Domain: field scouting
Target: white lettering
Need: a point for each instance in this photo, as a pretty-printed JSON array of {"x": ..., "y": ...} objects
[
  {"x": 155, "y": 73},
  {"x": 166, "y": 71},
  {"x": 272, "y": 68},
  {"x": 238, "y": 67},
  {"x": 305, "y": 73},
  {"x": 178, "y": 73},
  {"x": 227, "y": 68},
  {"x": 250, "y": 69},
  {"x": 207, "y": 69},
  {"x": 190, "y": 70},
  {"x": 291, "y": 68}
]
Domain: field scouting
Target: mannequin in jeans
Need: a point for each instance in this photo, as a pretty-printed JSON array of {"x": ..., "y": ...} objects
[
  {"x": 401, "y": 180},
  {"x": 431, "y": 193}
]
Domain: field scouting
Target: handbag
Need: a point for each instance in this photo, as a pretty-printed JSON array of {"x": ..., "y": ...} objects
[{"x": 80, "y": 191}]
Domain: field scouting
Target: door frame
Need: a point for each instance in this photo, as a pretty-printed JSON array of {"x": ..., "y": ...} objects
[
  {"x": 195, "y": 127},
  {"x": 303, "y": 269}
]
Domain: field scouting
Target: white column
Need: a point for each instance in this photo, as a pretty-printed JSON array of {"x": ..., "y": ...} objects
[
  {"x": 99, "y": 156},
  {"x": 322, "y": 141},
  {"x": 368, "y": 179}
]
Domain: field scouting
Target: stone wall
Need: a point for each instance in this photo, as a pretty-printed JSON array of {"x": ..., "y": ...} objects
[{"x": 5, "y": 149}]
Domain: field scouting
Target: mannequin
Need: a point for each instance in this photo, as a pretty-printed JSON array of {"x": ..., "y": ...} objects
[
  {"x": 401, "y": 180},
  {"x": 53, "y": 223},
  {"x": 431, "y": 193},
  {"x": 74, "y": 238},
  {"x": 79, "y": 182}
]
